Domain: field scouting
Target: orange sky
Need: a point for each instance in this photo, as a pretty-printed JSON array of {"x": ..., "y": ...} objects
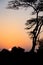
[{"x": 12, "y": 24}]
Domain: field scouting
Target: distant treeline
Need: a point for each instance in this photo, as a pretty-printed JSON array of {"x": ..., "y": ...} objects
[{"x": 18, "y": 56}]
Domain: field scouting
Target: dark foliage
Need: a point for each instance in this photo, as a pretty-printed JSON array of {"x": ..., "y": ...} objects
[
  {"x": 30, "y": 1},
  {"x": 19, "y": 56}
]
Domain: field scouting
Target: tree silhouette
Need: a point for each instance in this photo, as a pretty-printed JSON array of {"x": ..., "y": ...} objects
[
  {"x": 17, "y": 50},
  {"x": 40, "y": 41},
  {"x": 37, "y": 5},
  {"x": 37, "y": 27}
]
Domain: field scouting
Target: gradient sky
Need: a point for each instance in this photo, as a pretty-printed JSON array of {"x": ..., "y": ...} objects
[{"x": 12, "y": 24}]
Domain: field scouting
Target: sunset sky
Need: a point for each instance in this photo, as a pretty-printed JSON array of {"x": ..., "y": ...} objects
[{"x": 12, "y": 24}]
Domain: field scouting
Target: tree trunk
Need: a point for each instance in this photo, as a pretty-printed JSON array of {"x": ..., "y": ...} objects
[
  {"x": 34, "y": 44},
  {"x": 35, "y": 35}
]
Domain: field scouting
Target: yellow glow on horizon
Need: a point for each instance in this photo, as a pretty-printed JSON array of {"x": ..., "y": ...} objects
[
  {"x": 14, "y": 39},
  {"x": 12, "y": 32}
]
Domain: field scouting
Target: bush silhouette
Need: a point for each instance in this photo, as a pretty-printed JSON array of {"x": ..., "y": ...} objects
[{"x": 19, "y": 56}]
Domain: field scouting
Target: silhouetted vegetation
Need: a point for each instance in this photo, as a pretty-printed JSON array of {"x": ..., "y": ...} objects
[
  {"x": 37, "y": 22},
  {"x": 19, "y": 56}
]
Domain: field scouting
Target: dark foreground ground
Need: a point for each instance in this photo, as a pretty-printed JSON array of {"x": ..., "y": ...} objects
[{"x": 17, "y": 56}]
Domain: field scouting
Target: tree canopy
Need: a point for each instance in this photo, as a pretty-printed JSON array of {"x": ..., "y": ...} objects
[{"x": 37, "y": 5}]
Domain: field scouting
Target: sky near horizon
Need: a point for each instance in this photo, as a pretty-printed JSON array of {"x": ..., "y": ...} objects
[{"x": 12, "y": 24}]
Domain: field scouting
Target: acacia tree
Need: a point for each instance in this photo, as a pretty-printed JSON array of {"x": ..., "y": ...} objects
[{"x": 37, "y": 5}]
